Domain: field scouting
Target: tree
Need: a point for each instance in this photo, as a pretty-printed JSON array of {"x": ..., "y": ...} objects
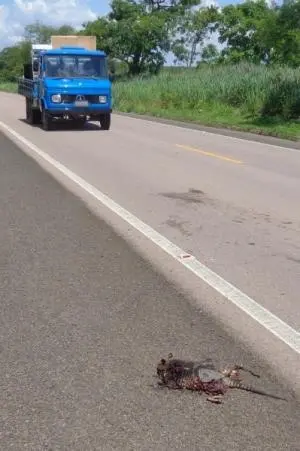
[
  {"x": 209, "y": 53},
  {"x": 138, "y": 34},
  {"x": 243, "y": 28},
  {"x": 101, "y": 28},
  {"x": 39, "y": 33},
  {"x": 284, "y": 34},
  {"x": 12, "y": 60},
  {"x": 133, "y": 34},
  {"x": 192, "y": 31},
  {"x": 171, "y": 5}
]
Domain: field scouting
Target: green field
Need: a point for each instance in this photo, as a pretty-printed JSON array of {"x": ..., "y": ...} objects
[{"x": 244, "y": 97}]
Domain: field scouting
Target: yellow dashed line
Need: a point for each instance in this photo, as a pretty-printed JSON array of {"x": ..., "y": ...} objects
[{"x": 209, "y": 154}]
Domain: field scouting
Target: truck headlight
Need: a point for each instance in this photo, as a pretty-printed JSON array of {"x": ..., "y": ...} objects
[
  {"x": 56, "y": 98},
  {"x": 102, "y": 99}
]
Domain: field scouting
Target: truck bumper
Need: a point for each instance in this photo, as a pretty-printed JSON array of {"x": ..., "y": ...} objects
[{"x": 75, "y": 112}]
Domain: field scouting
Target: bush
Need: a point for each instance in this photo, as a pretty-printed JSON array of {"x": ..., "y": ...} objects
[
  {"x": 283, "y": 99},
  {"x": 256, "y": 90}
]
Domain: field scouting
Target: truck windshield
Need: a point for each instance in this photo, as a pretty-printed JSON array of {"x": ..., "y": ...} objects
[{"x": 71, "y": 66}]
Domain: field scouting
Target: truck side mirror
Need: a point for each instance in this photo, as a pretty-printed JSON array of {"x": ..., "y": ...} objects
[
  {"x": 35, "y": 66},
  {"x": 111, "y": 77}
]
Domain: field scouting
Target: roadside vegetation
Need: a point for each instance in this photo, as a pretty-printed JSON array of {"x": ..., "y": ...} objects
[
  {"x": 242, "y": 97},
  {"x": 249, "y": 81},
  {"x": 8, "y": 86}
]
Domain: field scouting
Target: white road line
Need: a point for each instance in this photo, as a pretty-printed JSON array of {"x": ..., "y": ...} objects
[
  {"x": 263, "y": 316},
  {"x": 204, "y": 132}
]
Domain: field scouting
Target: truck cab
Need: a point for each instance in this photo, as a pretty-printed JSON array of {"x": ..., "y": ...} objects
[
  {"x": 35, "y": 55},
  {"x": 71, "y": 83}
]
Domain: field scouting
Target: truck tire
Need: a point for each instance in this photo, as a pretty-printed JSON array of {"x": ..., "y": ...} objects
[
  {"x": 80, "y": 123},
  {"x": 32, "y": 116},
  {"x": 28, "y": 111},
  {"x": 46, "y": 120},
  {"x": 36, "y": 114},
  {"x": 105, "y": 120}
]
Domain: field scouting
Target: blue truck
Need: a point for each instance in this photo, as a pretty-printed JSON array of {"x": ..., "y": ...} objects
[{"x": 68, "y": 83}]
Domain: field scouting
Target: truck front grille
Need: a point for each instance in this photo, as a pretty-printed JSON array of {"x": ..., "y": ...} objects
[{"x": 70, "y": 98}]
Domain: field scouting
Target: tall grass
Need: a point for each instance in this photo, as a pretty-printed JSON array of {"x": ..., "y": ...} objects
[
  {"x": 8, "y": 86},
  {"x": 249, "y": 89}
]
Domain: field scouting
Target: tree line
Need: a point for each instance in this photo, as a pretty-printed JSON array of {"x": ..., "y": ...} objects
[{"x": 139, "y": 34}]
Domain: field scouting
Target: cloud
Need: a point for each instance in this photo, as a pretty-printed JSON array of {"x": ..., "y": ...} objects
[
  {"x": 17, "y": 13},
  {"x": 10, "y": 30},
  {"x": 207, "y": 4},
  {"x": 74, "y": 12}
]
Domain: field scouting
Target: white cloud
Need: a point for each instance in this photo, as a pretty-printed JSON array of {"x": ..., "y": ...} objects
[
  {"x": 207, "y": 4},
  {"x": 19, "y": 13},
  {"x": 59, "y": 11},
  {"x": 10, "y": 30}
]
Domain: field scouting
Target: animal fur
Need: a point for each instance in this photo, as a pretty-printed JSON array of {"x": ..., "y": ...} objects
[{"x": 204, "y": 377}]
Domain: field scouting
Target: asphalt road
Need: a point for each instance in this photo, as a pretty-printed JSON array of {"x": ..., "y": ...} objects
[
  {"x": 233, "y": 204},
  {"x": 84, "y": 319}
]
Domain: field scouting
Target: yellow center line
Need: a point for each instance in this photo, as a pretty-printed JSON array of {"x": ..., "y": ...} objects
[{"x": 209, "y": 154}]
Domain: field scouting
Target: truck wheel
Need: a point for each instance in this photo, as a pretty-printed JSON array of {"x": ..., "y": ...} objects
[
  {"x": 46, "y": 120},
  {"x": 28, "y": 111},
  {"x": 36, "y": 114},
  {"x": 80, "y": 123},
  {"x": 32, "y": 116},
  {"x": 105, "y": 121}
]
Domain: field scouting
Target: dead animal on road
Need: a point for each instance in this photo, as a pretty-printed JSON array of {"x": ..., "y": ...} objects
[{"x": 204, "y": 377}]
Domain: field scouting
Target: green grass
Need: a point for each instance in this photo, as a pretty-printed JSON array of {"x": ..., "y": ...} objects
[
  {"x": 8, "y": 86},
  {"x": 243, "y": 97}
]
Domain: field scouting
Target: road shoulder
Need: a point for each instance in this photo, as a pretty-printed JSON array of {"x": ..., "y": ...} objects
[{"x": 247, "y": 136}]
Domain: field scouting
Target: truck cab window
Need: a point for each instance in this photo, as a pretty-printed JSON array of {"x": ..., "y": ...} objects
[{"x": 71, "y": 66}]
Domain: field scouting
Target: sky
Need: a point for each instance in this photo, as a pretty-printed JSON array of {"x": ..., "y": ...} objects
[{"x": 15, "y": 14}]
